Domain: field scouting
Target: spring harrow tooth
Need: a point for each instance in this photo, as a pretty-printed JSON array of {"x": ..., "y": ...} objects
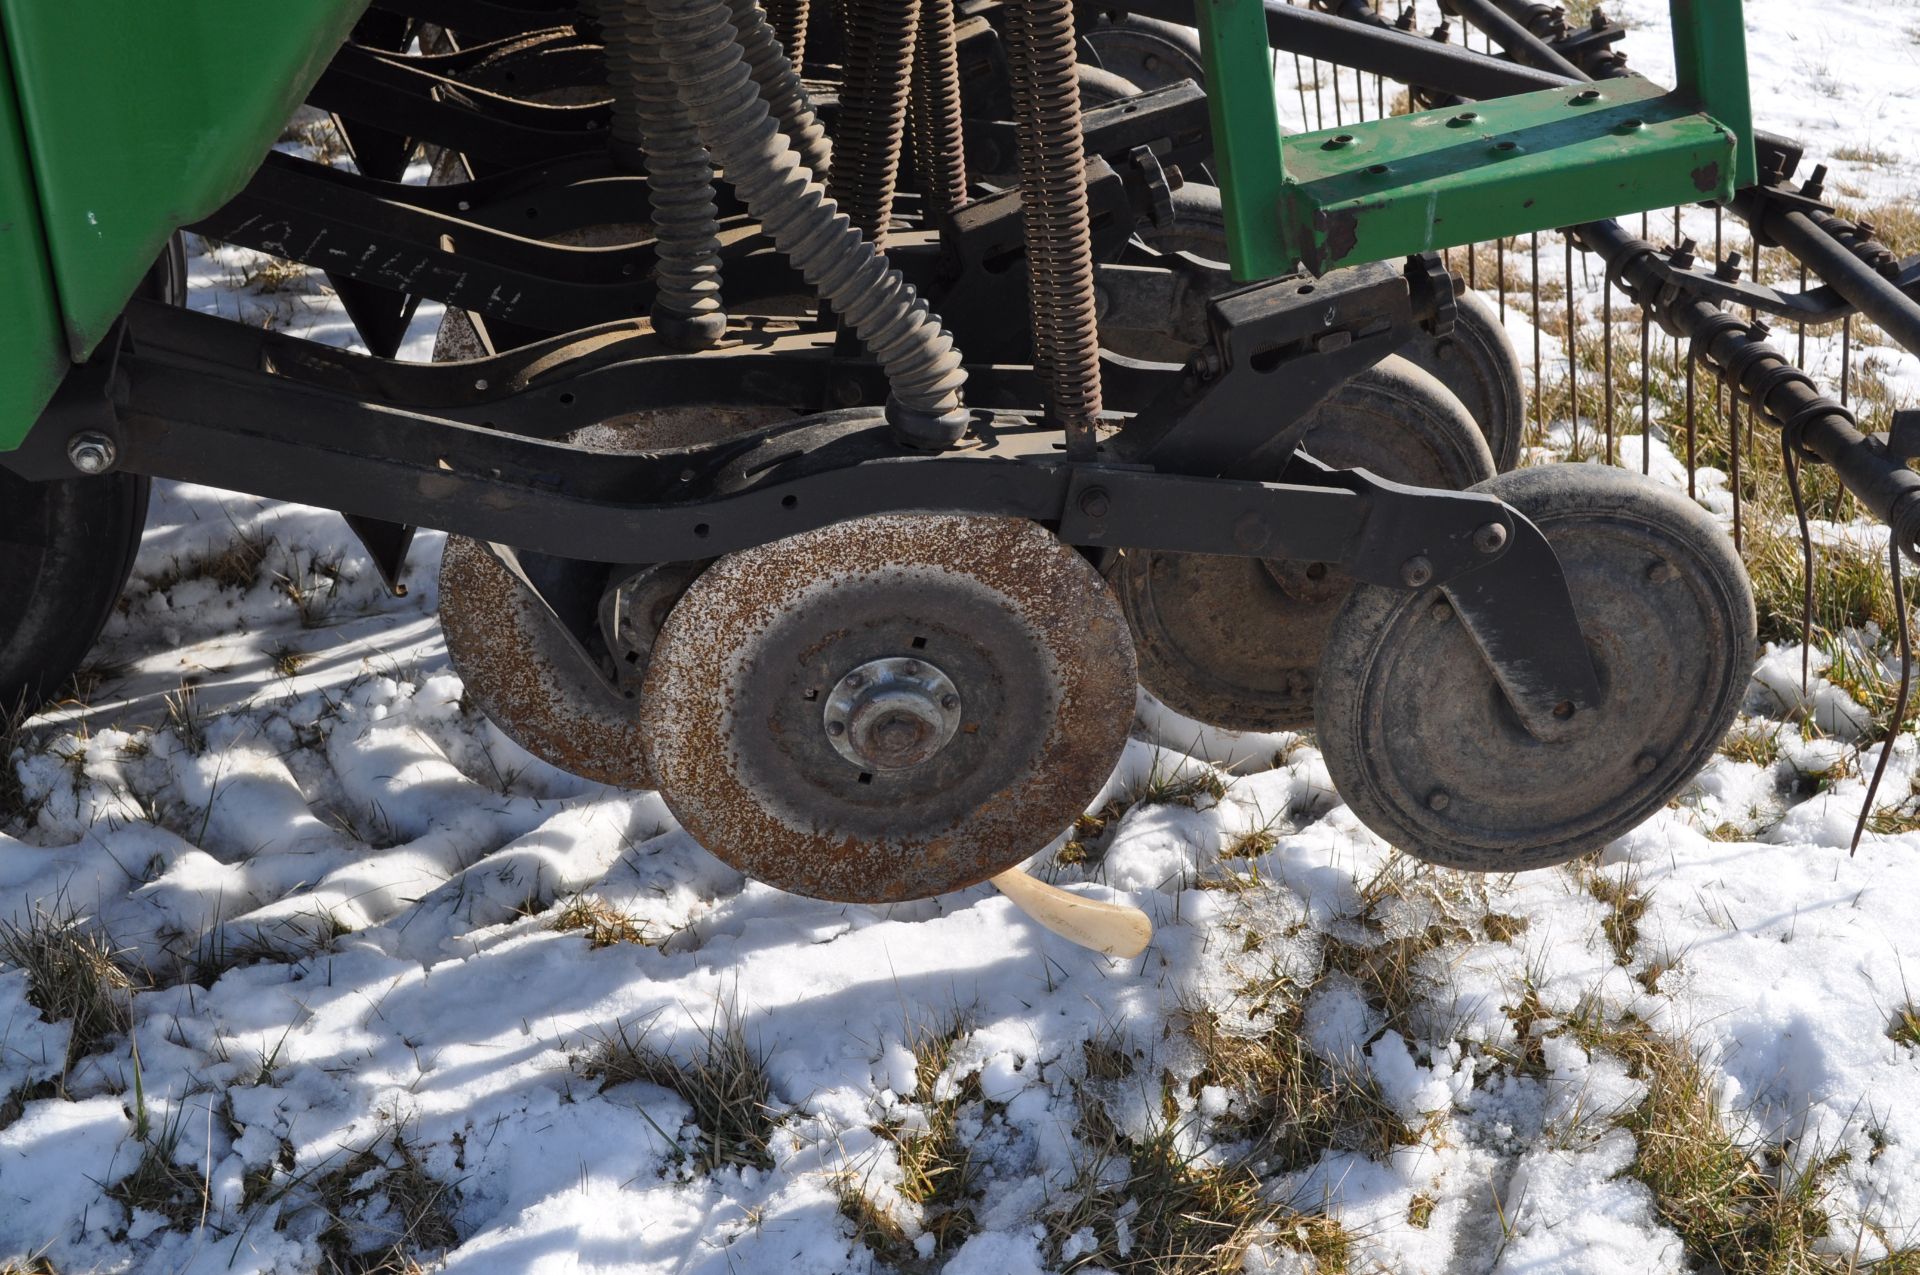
[
  {"x": 939, "y": 136},
  {"x": 649, "y": 120},
  {"x": 1900, "y": 697},
  {"x": 1053, "y": 193},
  {"x": 1573, "y": 355},
  {"x": 891, "y": 320},
  {"x": 778, "y": 79},
  {"x": 873, "y": 121},
  {"x": 1539, "y": 400}
]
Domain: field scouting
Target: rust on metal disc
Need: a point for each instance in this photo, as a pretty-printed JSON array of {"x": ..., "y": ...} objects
[
  {"x": 735, "y": 705},
  {"x": 526, "y": 675}
]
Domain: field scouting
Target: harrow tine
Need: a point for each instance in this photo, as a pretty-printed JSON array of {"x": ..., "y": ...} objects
[
  {"x": 1300, "y": 86},
  {"x": 1646, "y": 378},
  {"x": 1846, "y": 360},
  {"x": 1733, "y": 451},
  {"x": 1500, "y": 273},
  {"x": 1606, "y": 360},
  {"x": 1790, "y": 460},
  {"x": 1692, "y": 433},
  {"x": 1900, "y": 697},
  {"x": 1800, "y": 359},
  {"x": 1573, "y": 361},
  {"x": 1539, "y": 404}
]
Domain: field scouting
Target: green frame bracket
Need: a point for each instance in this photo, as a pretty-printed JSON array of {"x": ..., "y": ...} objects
[
  {"x": 1710, "y": 63},
  {"x": 1437, "y": 179},
  {"x": 1246, "y": 135}
]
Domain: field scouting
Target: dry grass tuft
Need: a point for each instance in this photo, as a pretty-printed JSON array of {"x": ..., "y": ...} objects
[
  {"x": 1904, "y": 1027},
  {"x": 1293, "y": 1104},
  {"x": 874, "y": 1225},
  {"x": 385, "y": 1212},
  {"x": 1626, "y": 906},
  {"x": 72, "y": 975},
  {"x": 159, "y": 1183},
  {"x": 1727, "y": 1208},
  {"x": 1182, "y": 1214},
  {"x": 602, "y": 923},
  {"x": 1751, "y": 741},
  {"x": 935, "y": 1166},
  {"x": 725, "y": 1083},
  {"x": 235, "y": 565}
]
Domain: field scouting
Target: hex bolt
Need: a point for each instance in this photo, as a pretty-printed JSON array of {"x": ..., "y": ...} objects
[
  {"x": 1646, "y": 763},
  {"x": 1416, "y": 571},
  {"x": 1491, "y": 538},
  {"x": 1094, "y": 502},
  {"x": 1337, "y": 142},
  {"x": 836, "y": 727},
  {"x": 91, "y": 452},
  {"x": 1438, "y": 799},
  {"x": 1563, "y": 710},
  {"x": 1440, "y": 610},
  {"x": 1661, "y": 572},
  {"x": 1463, "y": 119},
  {"x": 1586, "y": 97},
  {"x": 854, "y": 680},
  {"x": 949, "y": 702}
]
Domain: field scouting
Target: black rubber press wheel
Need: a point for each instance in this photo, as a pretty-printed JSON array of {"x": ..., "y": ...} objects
[
  {"x": 1421, "y": 743},
  {"x": 65, "y": 550}
]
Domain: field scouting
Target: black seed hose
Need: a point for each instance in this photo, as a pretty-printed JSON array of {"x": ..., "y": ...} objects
[{"x": 898, "y": 329}]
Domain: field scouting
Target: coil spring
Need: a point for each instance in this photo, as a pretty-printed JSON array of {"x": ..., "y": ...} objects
[
  {"x": 780, "y": 87},
  {"x": 939, "y": 137},
  {"x": 648, "y": 117},
  {"x": 873, "y": 111},
  {"x": 1053, "y": 193},
  {"x": 895, "y": 325},
  {"x": 789, "y": 18}
]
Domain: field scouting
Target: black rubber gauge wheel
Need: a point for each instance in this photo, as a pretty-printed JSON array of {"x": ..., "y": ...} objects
[
  {"x": 1422, "y": 744},
  {"x": 65, "y": 550}
]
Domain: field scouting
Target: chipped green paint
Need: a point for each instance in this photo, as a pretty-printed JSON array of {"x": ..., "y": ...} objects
[{"x": 1439, "y": 179}]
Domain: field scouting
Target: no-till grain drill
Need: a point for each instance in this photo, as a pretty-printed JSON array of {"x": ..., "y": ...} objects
[{"x": 841, "y": 408}]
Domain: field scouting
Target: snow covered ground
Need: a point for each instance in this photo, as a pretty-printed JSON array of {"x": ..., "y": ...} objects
[{"x": 405, "y": 993}]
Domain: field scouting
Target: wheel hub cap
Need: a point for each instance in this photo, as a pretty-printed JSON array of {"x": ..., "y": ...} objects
[{"x": 892, "y": 714}]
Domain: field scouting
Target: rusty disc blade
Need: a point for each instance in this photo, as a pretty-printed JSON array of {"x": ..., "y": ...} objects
[
  {"x": 528, "y": 677},
  {"x": 766, "y": 653}
]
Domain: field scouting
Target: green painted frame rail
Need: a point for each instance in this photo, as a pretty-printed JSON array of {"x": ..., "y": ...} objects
[{"x": 1439, "y": 179}]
